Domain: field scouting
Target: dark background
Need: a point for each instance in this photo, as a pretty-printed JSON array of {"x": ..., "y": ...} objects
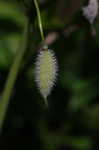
[{"x": 71, "y": 121}]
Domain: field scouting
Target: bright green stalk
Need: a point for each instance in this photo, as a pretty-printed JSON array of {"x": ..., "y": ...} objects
[{"x": 39, "y": 19}]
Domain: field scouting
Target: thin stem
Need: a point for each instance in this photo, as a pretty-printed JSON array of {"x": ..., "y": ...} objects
[
  {"x": 12, "y": 77},
  {"x": 39, "y": 19},
  {"x": 46, "y": 102}
]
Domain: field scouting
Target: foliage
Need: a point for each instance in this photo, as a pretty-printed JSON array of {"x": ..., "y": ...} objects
[{"x": 71, "y": 120}]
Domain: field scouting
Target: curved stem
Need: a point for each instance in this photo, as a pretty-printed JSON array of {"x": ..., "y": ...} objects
[
  {"x": 12, "y": 76},
  {"x": 39, "y": 19}
]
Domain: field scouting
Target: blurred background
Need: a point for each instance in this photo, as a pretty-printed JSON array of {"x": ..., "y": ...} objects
[{"x": 71, "y": 121}]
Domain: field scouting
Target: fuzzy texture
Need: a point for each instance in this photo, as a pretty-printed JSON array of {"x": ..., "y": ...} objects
[
  {"x": 46, "y": 71},
  {"x": 91, "y": 11}
]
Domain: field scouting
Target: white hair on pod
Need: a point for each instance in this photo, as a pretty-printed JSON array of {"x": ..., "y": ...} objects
[
  {"x": 46, "y": 71},
  {"x": 91, "y": 11}
]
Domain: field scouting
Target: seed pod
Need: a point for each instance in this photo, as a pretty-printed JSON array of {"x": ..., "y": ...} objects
[
  {"x": 91, "y": 11},
  {"x": 46, "y": 71}
]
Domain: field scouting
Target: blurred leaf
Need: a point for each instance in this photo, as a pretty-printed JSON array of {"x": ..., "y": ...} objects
[{"x": 9, "y": 10}]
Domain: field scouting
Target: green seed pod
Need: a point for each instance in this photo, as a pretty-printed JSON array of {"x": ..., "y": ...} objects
[{"x": 46, "y": 71}]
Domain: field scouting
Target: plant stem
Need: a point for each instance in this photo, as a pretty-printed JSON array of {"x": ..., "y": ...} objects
[
  {"x": 39, "y": 19},
  {"x": 41, "y": 32},
  {"x": 6, "y": 96}
]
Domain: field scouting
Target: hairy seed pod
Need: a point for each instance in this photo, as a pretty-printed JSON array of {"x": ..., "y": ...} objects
[
  {"x": 46, "y": 71},
  {"x": 91, "y": 11}
]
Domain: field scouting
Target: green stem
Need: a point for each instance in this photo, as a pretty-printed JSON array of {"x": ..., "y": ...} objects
[
  {"x": 39, "y": 19},
  {"x": 12, "y": 76},
  {"x": 41, "y": 32}
]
